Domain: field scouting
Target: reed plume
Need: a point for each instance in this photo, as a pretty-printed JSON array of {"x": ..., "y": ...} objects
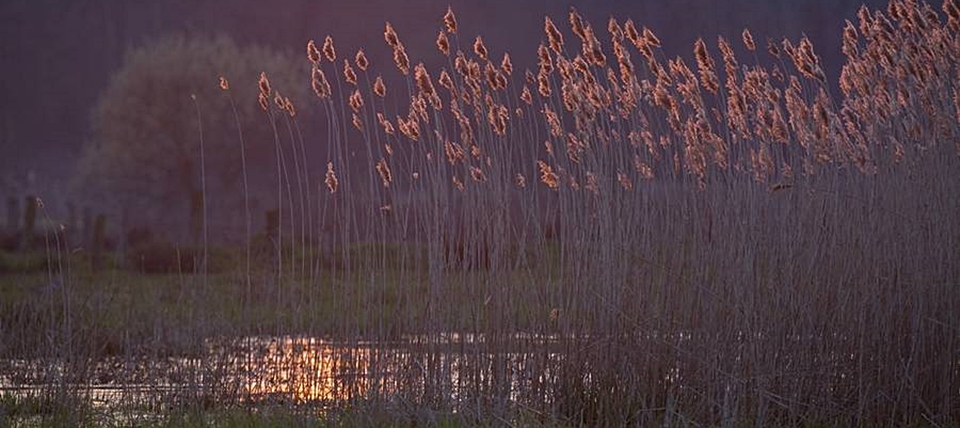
[
  {"x": 379, "y": 88},
  {"x": 328, "y": 50},
  {"x": 313, "y": 54},
  {"x": 443, "y": 43},
  {"x": 361, "y": 60},
  {"x": 479, "y": 48},
  {"x": 331, "y": 178},
  {"x": 450, "y": 21}
]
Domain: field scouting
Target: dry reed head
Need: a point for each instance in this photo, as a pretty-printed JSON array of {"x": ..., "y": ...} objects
[
  {"x": 850, "y": 40},
  {"x": 477, "y": 174},
  {"x": 454, "y": 152},
  {"x": 706, "y": 66},
  {"x": 356, "y": 101},
  {"x": 443, "y": 43},
  {"x": 506, "y": 65},
  {"x": 387, "y": 126},
  {"x": 772, "y": 49},
  {"x": 554, "y": 36},
  {"x": 649, "y": 38},
  {"x": 224, "y": 84},
  {"x": 457, "y": 183},
  {"x": 576, "y": 23},
  {"x": 479, "y": 48},
  {"x": 390, "y": 36},
  {"x": 328, "y": 50},
  {"x": 348, "y": 74},
  {"x": 313, "y": 54},
  {"x": 615, "y": 30},
  {"x": 445, "y": 81},
  {"x": 361, "y": 60},
  {"x": 748, "y": 40},
  {"x": 263, "y": 101},
  {"x": 400, "y": 59},
  {"x": 547, "y": 176},
  {"x": 264, "y": 84},
  {"x": 450, "y": 20},
  {"x": 319, "y": 83},
  {"x": 331, "y": 178},
  {"x": 544, "y": 60},
  {"x": 379, "y": 88},
  {"x": 424, "y": 83}
]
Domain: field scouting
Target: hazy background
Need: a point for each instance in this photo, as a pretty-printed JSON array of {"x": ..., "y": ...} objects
[{"x": 58, "y": 56}]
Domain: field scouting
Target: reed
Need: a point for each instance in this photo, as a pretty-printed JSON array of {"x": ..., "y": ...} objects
[{"x": 593, "y": 242}]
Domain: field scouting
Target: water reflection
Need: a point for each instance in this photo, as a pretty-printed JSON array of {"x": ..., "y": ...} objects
[
  {"x": 449, "y": 367},
  {"x": 443, "y": 368}
]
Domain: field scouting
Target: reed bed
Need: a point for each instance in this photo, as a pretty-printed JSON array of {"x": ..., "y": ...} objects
[{"x": 616, "y": 237}]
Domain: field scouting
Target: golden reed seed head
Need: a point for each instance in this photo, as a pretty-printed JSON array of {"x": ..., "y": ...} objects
[
  {"x": 547, "y": 176},
  {"x": 450, "y": 20},
  {"x": 278, "y": 100},
  {"x": 554, "y": 36},
  {"x": 356, "y": 101},
  {"x": 379, "y": 88},
  {"x": 479, "y": 48},
  {"x": 748, "y": 40},
  {"x": 264, "y": 84},
  {"x": 445, "y": 81},
  {"x": 543, "y": 85},
  {"x": 424, "y": 84},
  {"x": 772, "y": 48},
  {"x": 263, "y": 101},
  {"x": 526, "y": 96},
  {"x": 506, "y": 65},
  {"x": 384, "y": 170},
  {"x": 357, "y": 123},
  {"x": 313, "y": 54},
  {"x": 850, "y": 40},
  {"x": 319, "y": 83},
  {"x": 477, "y": 174},
  {"x": 288, "y": 106},
  {"x": 650, "y": 38},
  {"x": 545, "y": 62},
  {"x": 224, "y": 84},
  {"x": 401, "y": 59},
  {"x": 613, "y": 27},
  {"x": 331, "y": 178},
  {"x": 576, "y": 23},
  {"x": 361, "y": 60},
  {"x": 328, "y": 50},
  {"x": 443, "y": 43},
  {"x": 348, "y": 74},
  {"x": 390, "y": 36}
]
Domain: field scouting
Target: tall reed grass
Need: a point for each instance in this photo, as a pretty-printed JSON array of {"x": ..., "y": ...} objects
[{"x": 620, "y": 236}]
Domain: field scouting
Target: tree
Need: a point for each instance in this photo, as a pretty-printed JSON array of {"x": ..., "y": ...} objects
[{"x": 146, "y": 154}]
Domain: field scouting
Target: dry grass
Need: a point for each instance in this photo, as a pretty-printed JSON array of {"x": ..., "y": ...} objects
[{"x": 703, "y": 248}]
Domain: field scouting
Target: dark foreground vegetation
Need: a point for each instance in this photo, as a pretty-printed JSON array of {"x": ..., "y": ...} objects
[{"x": 614, "y": 238}]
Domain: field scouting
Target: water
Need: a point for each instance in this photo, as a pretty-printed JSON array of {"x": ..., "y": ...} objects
[{"x": 447, "y": 368}]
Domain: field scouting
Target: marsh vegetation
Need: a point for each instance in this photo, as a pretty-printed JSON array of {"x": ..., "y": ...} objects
[{"x": 612, "y": 238}]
